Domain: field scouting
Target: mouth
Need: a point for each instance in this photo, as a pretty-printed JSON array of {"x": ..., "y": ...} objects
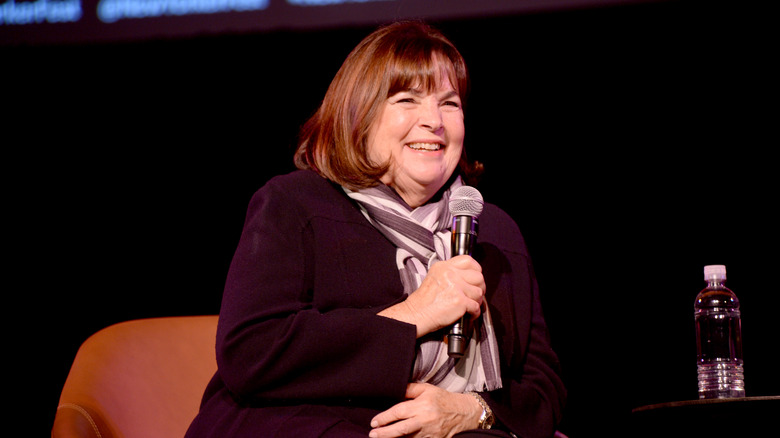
[{"x": 425, "y": 146}]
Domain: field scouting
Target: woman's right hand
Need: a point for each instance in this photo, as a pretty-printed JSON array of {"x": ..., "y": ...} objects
[{"x": 451, "y": 289}]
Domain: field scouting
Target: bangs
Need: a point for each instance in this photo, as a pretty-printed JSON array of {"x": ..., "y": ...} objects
[{"x": 415, "y": 68}]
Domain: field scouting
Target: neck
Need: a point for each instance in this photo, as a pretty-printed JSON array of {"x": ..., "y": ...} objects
[
  {"x": 412, "y": 198},
  {"x": 419, "y": 195}
]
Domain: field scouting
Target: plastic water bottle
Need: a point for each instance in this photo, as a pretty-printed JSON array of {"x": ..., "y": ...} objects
[{"x": 718, "y": 338}]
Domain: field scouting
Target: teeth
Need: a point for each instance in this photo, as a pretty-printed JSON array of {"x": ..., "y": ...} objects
[{"x": 425, "y": 146}]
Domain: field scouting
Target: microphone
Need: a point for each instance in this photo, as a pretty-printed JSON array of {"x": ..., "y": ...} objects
[{"x": 465, "y": 205}]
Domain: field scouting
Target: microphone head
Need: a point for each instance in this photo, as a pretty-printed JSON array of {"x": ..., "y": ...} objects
[{"x": 466, "y": 201}]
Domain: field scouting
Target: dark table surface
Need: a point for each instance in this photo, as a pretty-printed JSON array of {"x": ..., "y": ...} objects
[{"x": 734, "y": 417}]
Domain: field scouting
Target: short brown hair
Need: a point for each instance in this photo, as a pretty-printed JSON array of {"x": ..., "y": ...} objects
[{"x": 393, "y": 58}]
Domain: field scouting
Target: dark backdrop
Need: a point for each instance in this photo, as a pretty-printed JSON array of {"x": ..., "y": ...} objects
[{"x": 631, "y": 145}]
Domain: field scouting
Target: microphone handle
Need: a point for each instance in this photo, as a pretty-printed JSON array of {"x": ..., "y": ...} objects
[{"x": 464, "y": 234}]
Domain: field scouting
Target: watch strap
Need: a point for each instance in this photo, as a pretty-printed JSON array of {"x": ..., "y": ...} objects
[{"x": 486, "y": 420}]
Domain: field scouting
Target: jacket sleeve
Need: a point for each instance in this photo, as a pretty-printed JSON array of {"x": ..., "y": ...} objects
[
  {"x": 273, "y": 343},
  {"x": 533, "y": 395}
]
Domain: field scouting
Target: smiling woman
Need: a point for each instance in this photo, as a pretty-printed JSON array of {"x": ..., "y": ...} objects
[
  {"x": 378, "y": 72},
  {"x": 420, "y": 137},
  {"x": 343, "y": 287}
]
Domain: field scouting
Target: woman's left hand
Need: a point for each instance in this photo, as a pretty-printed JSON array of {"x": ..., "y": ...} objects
[{"x": 429, "y": 412}]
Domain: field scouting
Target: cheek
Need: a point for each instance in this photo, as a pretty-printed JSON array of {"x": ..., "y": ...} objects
[
  {"x": 457, "y": 136},
  {"x": 386, "y": 133},
  {"x": 377, "y": 150},
  {"x": 457, "y": 126}
]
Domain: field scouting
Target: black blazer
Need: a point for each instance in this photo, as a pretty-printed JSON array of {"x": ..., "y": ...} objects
[{"x": 300, "y": 348}]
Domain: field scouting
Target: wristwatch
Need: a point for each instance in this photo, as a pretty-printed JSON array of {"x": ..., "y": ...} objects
[{"x": 487, "y": 419}]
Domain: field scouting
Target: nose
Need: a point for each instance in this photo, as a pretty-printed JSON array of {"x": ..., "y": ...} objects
[{"x": 430, "y": 116}]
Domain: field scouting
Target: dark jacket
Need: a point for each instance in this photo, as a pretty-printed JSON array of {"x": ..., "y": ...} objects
[{"x": 301, "y": 350}]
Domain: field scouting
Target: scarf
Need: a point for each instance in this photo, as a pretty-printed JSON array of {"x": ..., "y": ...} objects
[{"x": 422, "y": 237}]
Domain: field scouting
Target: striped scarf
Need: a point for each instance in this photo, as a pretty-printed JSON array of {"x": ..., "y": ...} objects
[{"x": 422, "y": 237}]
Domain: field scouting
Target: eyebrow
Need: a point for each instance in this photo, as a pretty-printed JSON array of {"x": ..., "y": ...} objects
[
  {"x": 416, "y": 91},
  {"x": 451, "y": 93}
]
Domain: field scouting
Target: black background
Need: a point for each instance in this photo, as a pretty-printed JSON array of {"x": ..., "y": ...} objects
[{"x": 632, "y": 145}]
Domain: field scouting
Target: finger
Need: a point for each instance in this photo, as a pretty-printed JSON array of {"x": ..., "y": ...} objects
[
  {"x": 398, "y": 429},
  {"x": 474, "y": 309},
  {"x": 473, "y": 278},
  {"x": 465, "y": 261},
  {"x": 396, "y": 413},
  {"x": 403, "y": 410},
  {"x": 414, "y": 390}
]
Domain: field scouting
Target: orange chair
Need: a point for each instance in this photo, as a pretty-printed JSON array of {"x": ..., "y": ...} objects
[{"x": 138, "y": 379}]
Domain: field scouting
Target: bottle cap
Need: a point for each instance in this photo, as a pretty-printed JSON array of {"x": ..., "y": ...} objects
[{"x": 713, "y": 272}]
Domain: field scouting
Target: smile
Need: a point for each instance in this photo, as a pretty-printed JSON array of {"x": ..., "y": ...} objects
[{"x": 425, "y": 146}]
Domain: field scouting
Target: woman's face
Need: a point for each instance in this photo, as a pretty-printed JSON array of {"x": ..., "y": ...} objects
[{"x": 421, "y": 135}]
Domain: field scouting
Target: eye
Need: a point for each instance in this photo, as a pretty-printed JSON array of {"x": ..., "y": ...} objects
[
  {"x": 407, "y": 97},
  {"x": 451, "y": 104}
]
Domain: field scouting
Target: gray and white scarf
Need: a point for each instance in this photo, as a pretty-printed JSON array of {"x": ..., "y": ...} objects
[{"x": 422, "y": 237}]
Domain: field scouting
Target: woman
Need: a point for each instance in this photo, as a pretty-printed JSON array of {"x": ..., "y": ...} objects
[{"x": 341, "y": 289}]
